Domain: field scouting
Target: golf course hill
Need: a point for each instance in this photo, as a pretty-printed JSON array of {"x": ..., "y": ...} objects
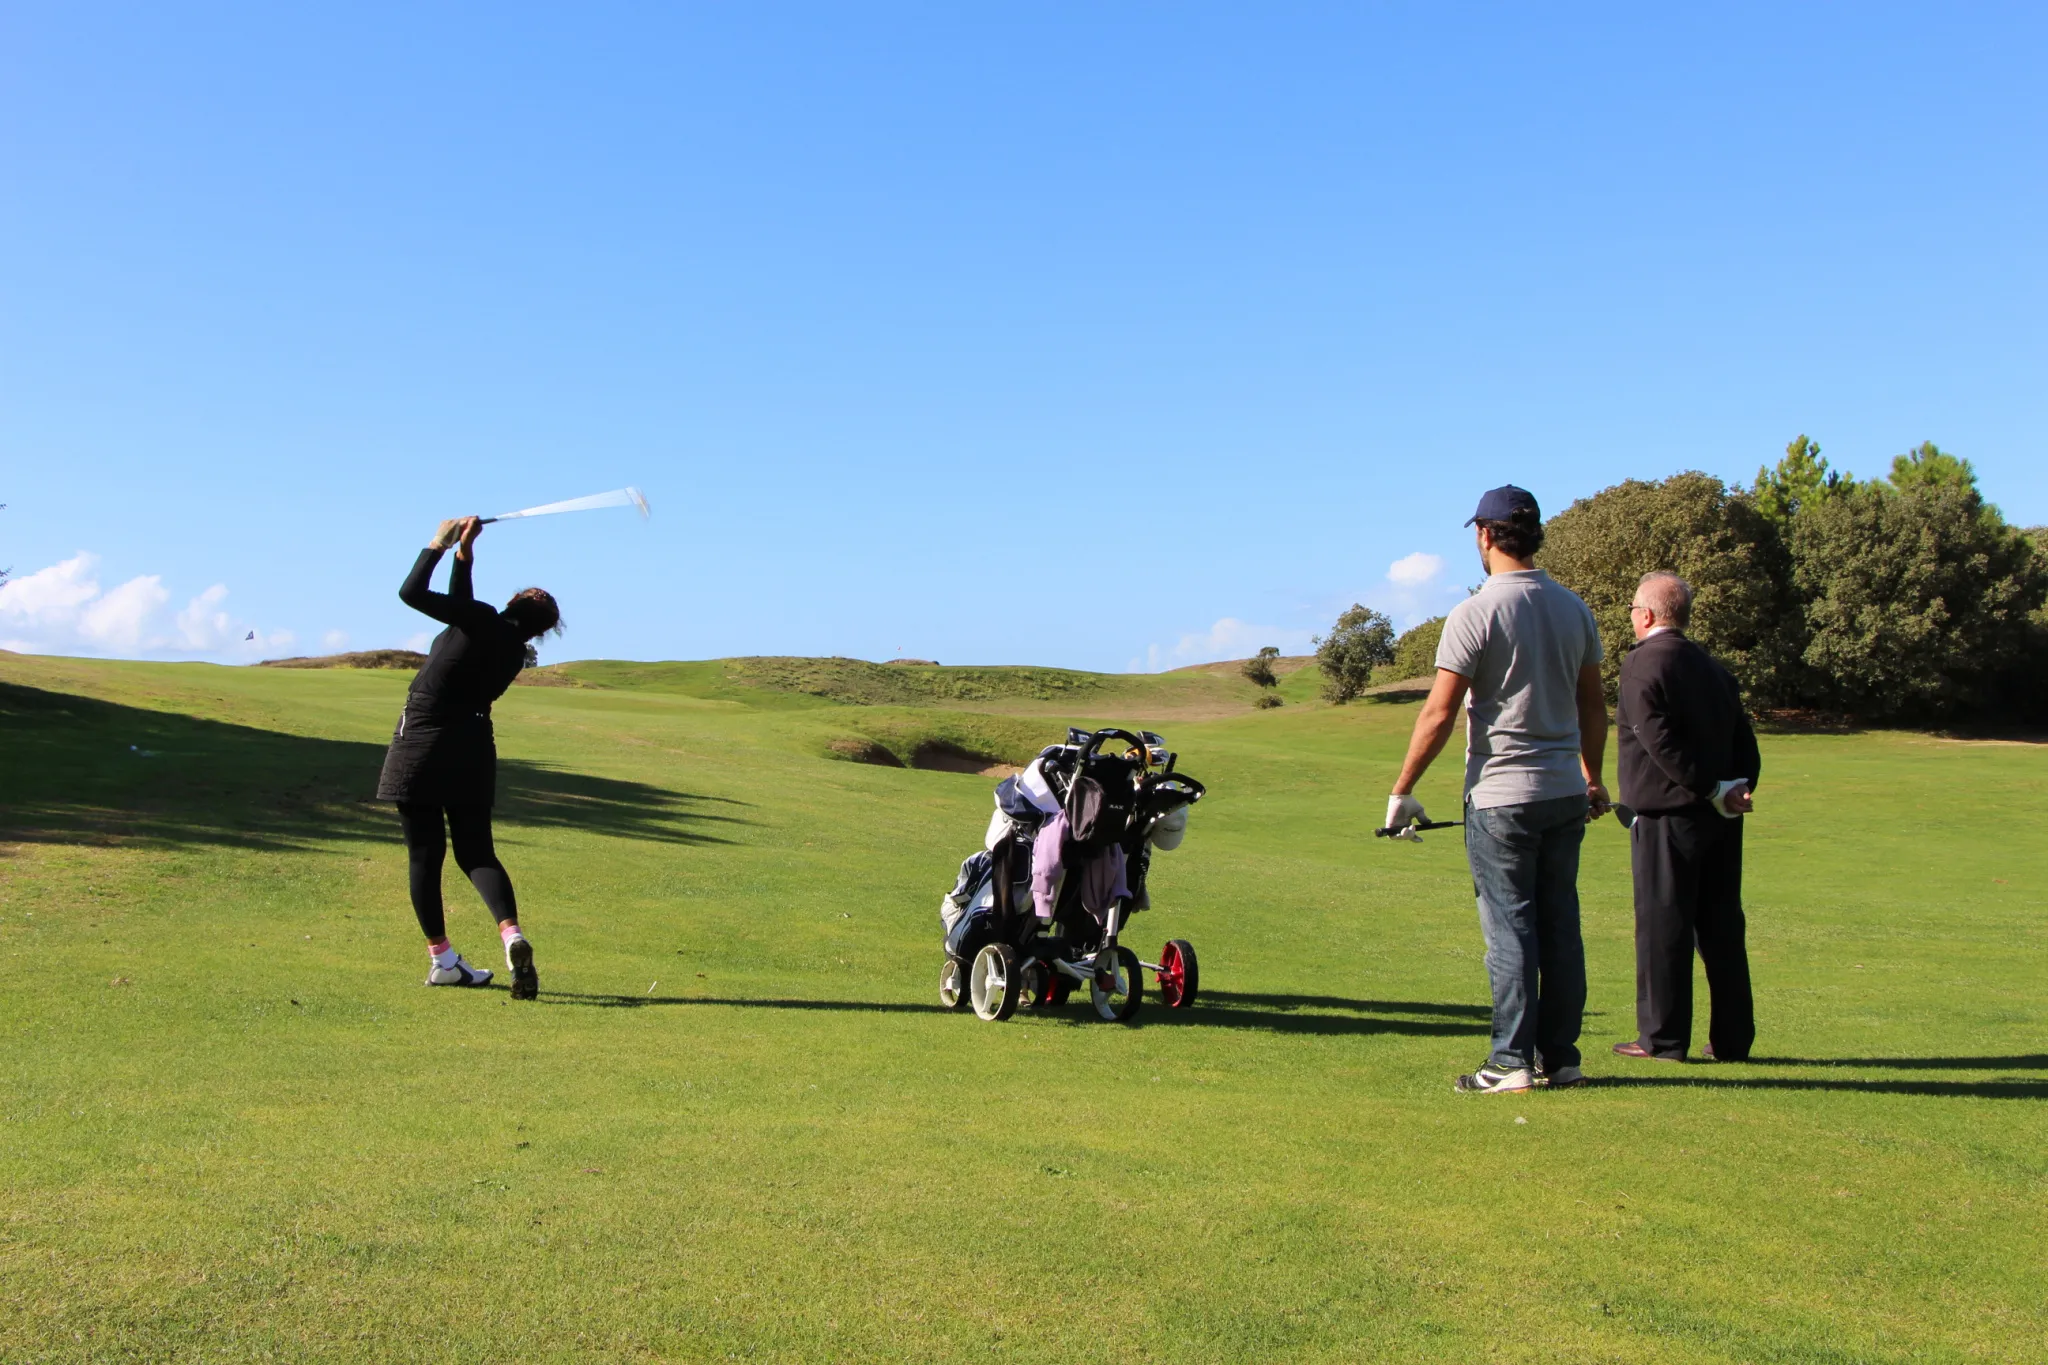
[{"x": 913, "y": 713}]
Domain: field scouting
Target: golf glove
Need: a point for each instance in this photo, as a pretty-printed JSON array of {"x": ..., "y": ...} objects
[
  {"x": 1402, "y": 813},
  {"x": 1719, "y": 800}
]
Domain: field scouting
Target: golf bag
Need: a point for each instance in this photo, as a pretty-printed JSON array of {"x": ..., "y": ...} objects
[{"x": 1089, "y": 818}]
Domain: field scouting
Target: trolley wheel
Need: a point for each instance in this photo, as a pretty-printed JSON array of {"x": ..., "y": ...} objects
[
  {"x": 1042, "y": 987},
  {"x": 953, "y": 985},
  {"x": 995, "y": 982},
  {"x": 1117, "y": 998},
  {"x": 1178, "y": 977}
]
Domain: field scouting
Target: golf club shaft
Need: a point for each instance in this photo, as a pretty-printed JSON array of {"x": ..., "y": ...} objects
[{"x": 618, "y": 497}]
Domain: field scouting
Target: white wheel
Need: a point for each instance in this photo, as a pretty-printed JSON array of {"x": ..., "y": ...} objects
[
  {"x": 1117, "y": 986},
  {"x": 995, "y": 982},
  {"x": 953, "y": 985}
]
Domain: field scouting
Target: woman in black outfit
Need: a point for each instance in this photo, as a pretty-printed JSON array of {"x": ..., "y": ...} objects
[{"x": 443, "y": 762}]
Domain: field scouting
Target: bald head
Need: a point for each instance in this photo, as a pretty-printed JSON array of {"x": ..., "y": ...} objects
[{"x": 1666, "y": 597}]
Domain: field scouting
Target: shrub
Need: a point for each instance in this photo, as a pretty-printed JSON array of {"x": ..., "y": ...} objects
[
  {"x": 1361, "y": 640},
  {"x": 1267, "y": 701},
  {"x": 1719, "y": 540},
  {"x": 1918, "y": 596},
  {"x": 1415, "y": 651},
  {"x": 1259, "y": 668}
]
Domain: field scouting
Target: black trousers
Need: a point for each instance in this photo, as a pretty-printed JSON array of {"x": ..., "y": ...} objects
[
  {"x": 1688, "y": 876},
  {"x": 426, "y": 846}
]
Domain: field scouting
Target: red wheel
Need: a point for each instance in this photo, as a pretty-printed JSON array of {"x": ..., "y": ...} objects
[{"x": 1179, "y": 976}]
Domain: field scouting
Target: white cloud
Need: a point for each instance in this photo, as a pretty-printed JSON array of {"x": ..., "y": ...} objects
[
  {"x": 1228, "y": 638},
  {"x": 334, "y": 641},
  {"x": 62, "y": 610},
  {"x": 1412, "y": 571},
  {"x": 118, "y": 620},
  {"x": 50, "y": 596},
  {"x": 202, "y": 625}
]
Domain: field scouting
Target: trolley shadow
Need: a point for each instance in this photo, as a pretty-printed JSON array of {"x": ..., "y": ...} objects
[
  {"x": 78, "y": 770},
  {"x": 1326, "y": 1015},
  {"x": 598, "y": 1000}
]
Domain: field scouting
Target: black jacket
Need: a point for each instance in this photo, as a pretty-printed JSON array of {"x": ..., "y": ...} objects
[
  {"x": 475, "y": 659},
  {"x": 443, "y": 752},
  {"x": 1682, "y": 730}
]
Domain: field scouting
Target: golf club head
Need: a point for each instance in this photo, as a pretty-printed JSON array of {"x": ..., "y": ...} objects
[
  {"x": 639, "y": 501},
  {"x": 1625, "y": 816}
]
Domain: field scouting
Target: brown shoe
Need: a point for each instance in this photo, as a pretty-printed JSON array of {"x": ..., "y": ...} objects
[{"x": 1640, "y": 1053}]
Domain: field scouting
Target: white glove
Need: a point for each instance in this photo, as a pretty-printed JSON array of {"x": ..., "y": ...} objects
[
  {"x": 1402, "y": 813},
  {"x": 1737, "y": 787}
]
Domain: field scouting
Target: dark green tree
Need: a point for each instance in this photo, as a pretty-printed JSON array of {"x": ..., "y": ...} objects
[
  {"x": 1800, "y": 479},
  {"x": 1920, "y": 601},
  {"x": 1361, "y": 641},
  {"x": 1717, "y": 539},
  {"x": 1927, "y": 465},
  {"x": 1259, "y": 668},
  {"x": 1415, "y": 651}
]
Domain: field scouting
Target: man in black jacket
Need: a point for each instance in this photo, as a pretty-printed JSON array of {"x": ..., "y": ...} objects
[{"x": 1689, "y": 766}]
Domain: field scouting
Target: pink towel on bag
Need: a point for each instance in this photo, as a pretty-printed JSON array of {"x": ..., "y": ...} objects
[{"x": 1103, "y": 880}]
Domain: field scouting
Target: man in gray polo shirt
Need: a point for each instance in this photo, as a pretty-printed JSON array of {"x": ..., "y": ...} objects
[{"x": 1523, "y": 654}]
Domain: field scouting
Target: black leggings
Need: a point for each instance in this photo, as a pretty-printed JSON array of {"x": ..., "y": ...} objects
[{"x": 426, "y": 844}]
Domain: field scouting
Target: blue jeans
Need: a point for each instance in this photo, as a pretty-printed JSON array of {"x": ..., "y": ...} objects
[{"x": 1525, "y": 873}]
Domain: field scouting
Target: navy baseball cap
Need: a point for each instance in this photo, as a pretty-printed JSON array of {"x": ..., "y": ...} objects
[{"x": 1500, "y": 504}]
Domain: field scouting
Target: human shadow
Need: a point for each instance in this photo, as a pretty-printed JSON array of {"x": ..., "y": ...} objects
[
  {"x": 79, "y": 770},
  {"x": 1338, "y": 1002},
  {"x": 2014, "y": 1089},
  {"x": 2031, "y": 1061},
  {"x": 1326, "y": 1015},
  {"x": 600, "y": 1000}
]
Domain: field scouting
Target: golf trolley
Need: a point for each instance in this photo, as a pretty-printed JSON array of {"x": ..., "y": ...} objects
[{"x": 1092, "y": 819}]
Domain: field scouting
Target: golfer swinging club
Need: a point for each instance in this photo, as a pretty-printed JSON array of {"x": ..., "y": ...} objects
[{"x": 443, "y": 761}]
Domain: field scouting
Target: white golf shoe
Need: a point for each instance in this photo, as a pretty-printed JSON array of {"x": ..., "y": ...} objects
[{"x": 458, "y": 973}]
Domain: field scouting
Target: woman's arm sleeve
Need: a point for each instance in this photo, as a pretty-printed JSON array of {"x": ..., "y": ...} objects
[
  {"x": 459, "y": 585},
  {"x": 414, "y": 592},
  {"x": 458, "y": 608}
]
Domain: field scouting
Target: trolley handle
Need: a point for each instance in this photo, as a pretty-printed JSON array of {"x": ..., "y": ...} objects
[{"x": 1096, "y": 740}]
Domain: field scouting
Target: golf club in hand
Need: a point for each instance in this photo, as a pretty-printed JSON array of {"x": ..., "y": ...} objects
[{"x": 1392, "y": 831}]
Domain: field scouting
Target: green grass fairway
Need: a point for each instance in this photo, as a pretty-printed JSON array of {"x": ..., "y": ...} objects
[{"x": 736, "y": 1125}]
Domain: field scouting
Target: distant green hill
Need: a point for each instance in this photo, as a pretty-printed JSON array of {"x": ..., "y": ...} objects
[{"x": 1206, "y": 692}]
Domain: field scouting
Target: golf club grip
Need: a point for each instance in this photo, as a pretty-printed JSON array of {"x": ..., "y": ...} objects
[{"x": 1391, "y": 830}]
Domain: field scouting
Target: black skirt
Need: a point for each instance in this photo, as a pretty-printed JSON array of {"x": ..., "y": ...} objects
[{"x": 441, "y": 761}]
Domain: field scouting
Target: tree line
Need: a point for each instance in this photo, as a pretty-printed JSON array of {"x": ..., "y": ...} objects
[{"x": 1903, "y": 599}]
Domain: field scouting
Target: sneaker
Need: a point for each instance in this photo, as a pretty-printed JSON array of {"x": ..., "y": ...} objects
[
  {"x": 519, "y": 958},
  {"x": 458, "y": 973},
  {"x": 1497, "y": 1080},
  {"x": 1564, "y": 1078}
]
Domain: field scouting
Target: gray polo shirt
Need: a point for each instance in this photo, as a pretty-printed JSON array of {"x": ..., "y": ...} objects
[{"x": 1521, "y": 639}]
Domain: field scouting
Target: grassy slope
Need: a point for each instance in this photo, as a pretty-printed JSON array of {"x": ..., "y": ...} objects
[{"x": 232, "y": 1125}]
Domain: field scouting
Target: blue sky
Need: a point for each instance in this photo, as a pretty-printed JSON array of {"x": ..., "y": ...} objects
[{"x": 1103, "y": 336}]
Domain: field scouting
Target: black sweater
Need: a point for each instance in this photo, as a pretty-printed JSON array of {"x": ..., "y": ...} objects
[
  {"x": 474, "y": 660},
  {"x": 1681, "y": 727}
]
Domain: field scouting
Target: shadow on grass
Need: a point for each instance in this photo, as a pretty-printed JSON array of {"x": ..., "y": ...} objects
[
  {"x": 1338, "y": 1002},
  {"x": 616, "y": 1002},
  {"x": 2016, "y": 1089},
  {"x": 78, "y": 770},
  {"x": 1360, "y": 1016},
  {"x": 2032, "y": 1061}
]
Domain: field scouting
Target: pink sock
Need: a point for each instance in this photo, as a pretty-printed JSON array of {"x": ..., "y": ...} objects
[
  {"x": 508, "y": 931},
  {"x": 437, "y": 946}
]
